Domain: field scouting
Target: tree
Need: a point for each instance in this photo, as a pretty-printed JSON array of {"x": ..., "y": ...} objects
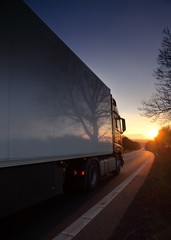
[
  {"x": 85, "y": 103},
  {"x": 162, "y": 143},
  {"x": 158, "y": 107},
  {"x": 164, "y": 137},
  {"x": 151, "y": 146},
  {"x": 130, "y": 145},
  {"x": 81, "y": 101}
]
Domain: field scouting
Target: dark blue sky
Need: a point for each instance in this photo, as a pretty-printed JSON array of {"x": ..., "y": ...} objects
[{"x": 118, "y": 40}]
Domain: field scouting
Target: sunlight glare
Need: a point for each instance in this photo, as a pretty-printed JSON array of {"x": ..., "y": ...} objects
[{"x": 153, "y": 133}]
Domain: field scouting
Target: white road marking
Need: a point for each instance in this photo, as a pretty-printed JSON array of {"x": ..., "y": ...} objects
[
  {"x": 71, "y": 231},
  {"x": 134, "y": 153}
]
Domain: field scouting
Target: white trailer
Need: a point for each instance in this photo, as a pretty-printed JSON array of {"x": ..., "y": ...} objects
[{"x": 59, "y": 124}]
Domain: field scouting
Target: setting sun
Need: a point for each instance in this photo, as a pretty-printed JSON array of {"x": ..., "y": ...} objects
[{"x": 153, "y": 133}]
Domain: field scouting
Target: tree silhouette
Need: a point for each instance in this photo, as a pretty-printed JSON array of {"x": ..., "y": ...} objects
[
  {"x": 130, "y": 145},
  {"x": 162, "y": 143},
  {"x": 83, "y": 99},
  {"x": 164, "y": 137},
  {"x": 151, "y": 146},
  {"x": 159, "y": 106}
]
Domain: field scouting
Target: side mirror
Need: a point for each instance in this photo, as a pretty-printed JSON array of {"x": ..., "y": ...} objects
[{"x": 123, "y": 124}]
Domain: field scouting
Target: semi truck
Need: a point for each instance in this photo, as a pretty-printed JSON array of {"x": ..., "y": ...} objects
[{"x": 59, "y": 124}]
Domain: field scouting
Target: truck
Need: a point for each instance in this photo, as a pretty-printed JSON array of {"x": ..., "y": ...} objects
[{"x": 59, "y": 124}]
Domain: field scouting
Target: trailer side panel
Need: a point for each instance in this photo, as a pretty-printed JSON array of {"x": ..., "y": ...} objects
[{"x": 53, "y": 106}]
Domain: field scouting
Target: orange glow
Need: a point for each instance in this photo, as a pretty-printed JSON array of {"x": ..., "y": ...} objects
[
  {"x": 139, "y": 127},
  {"x": 153, "y": 133}
]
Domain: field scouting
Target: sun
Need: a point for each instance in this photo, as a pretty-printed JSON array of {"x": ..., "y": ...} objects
[{"x": 153, "y": 133}]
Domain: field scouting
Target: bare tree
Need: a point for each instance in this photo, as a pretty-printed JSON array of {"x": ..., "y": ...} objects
[
  {"x": 85, "y": 102},
  {"x": 76, "y": 98},
  {"x": 158, "y": 107}
]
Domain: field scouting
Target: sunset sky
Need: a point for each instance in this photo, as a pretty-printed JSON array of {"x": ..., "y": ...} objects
[{"x": 119, "y": 41}]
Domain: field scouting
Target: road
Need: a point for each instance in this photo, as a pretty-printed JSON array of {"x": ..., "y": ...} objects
[{"x": 83, "y": 215}]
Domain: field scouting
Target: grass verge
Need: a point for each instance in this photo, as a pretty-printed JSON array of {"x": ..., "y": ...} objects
[{"x": 149, "y": 216}]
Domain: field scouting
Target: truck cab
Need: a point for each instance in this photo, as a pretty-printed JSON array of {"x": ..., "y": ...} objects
[{"x": 119, "y": 126}]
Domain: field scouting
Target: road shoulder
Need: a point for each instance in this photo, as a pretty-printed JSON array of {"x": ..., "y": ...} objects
[{"x": 149, "y": 215}]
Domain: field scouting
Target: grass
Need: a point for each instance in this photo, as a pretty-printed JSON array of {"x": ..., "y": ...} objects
[{"x": 149, "y": 216}]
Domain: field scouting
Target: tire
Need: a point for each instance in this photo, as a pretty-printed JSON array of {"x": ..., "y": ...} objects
[{"x": 92, "y": 175}]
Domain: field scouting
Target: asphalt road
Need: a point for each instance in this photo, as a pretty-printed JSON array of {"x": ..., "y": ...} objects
[{"x": 71, "y": 217}]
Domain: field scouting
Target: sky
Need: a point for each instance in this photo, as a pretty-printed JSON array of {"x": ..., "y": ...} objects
[{"x": 119, "y": 40}]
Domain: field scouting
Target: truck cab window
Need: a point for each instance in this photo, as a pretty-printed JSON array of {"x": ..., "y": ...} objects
[{"x": 118, "y": 126}]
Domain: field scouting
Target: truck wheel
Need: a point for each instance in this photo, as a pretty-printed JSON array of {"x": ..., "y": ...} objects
[{"x": 92, "y": 175}]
